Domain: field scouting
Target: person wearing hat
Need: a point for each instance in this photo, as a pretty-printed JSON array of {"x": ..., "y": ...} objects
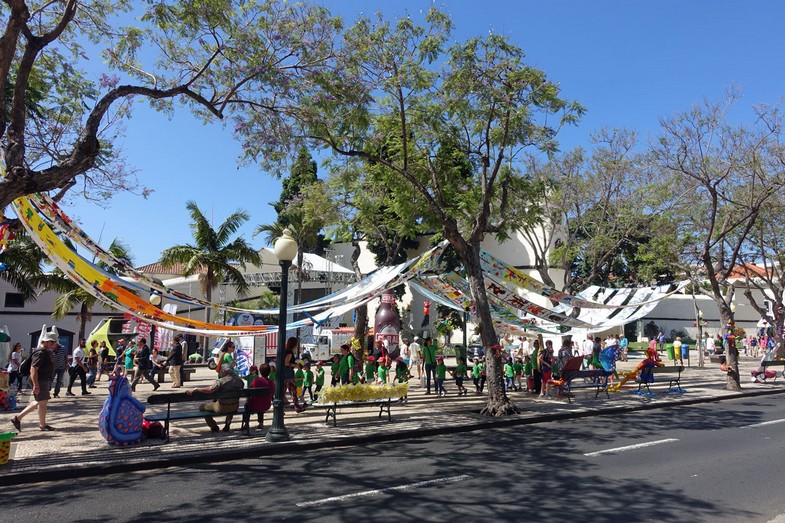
[
  {"x": 370, "y": 370},
  {"x": 416, "y": 356},
  {"x": 228, "y": 382},
  {"x": 42, "y": 372}
]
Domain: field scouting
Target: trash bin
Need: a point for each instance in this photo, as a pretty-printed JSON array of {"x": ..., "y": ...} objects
[
  {"x": 669, "y": 351},
  {"x": 685, "y": 351},
  {"x": 5, "y": 446}
]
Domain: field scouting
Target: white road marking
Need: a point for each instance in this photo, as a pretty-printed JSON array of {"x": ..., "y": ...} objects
[
  {"x": 631, "y": 447},
  {"x": 376, "y": 492},
  {"x": 763, "y": 424}
]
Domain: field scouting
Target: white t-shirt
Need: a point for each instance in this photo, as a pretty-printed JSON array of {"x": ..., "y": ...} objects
[
  {"x": 415, "y": 350},
  {"x": 586, "y": 347},
  {"x": 14, "y": 362},
  {"x": 710, "y": 344},
  {"x": 78, "y": 353}
]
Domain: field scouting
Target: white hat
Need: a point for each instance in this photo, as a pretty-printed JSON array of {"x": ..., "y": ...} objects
[
  {"x": 416, "y": 338},
  {"x": 272, "y": 364},
  {"x": 49, "y": 336}
]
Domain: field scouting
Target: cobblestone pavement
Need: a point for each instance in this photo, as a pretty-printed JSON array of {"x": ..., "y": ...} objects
[{"x": 77, "y": 449}]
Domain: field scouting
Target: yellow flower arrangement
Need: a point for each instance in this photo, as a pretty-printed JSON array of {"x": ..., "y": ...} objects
[{"x": 363, "y": 392}]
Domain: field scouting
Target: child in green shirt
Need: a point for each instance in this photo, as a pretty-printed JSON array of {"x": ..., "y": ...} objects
[
  {"x": 308, "y": 381},
  {"x": 335, "y": 379},
  {"x": 528, "y": 371},
  {"x": 253, "y": 373},
  {"x": 370, "y": 370},
  {"x": 509, "y": 376},
  {"x": 459, "y": 374},
  {"x": 518, "y": 368},
  {"x": 381, "y": 373},
  {"x": 441, "y": 374},
  {"x": 273, "y": 374},
  {"x": 319, "y": 378},
  {"x": 478, "y": 376},
  {"x": 299, "y": 378}
]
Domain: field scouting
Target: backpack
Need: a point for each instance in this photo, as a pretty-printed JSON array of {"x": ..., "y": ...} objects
[{"x": 24, "y": 368}]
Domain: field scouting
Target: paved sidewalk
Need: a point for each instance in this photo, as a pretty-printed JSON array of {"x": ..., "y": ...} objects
[{"x": 77, "y": 449}]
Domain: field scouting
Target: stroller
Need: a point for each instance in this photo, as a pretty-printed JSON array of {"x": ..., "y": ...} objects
[{"x": 762, "y": 374}]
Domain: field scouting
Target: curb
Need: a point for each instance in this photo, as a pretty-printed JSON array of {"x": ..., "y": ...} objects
[{"x": 264, "y": 449}]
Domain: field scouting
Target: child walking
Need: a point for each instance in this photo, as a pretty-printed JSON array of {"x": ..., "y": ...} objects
[
  {"x": 319, "y": 379},
  {"x": 402, "y": 374},
  {"x": 518, "y": 369},
  {"x": 459, "y": 374},
  {"x": 308, "y": 381},
  {"x": 441, "y": 374}
]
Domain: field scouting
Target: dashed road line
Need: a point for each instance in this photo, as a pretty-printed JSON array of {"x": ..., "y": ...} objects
[
  {"x": 631, "y": 447},
  {"x": 376, "y": 492}
]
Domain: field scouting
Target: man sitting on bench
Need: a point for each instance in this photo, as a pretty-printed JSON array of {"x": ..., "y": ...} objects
[{"x": 228, "y": 382}]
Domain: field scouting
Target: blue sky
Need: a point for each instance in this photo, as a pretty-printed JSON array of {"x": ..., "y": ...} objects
[{"x": 629, "y": 63}]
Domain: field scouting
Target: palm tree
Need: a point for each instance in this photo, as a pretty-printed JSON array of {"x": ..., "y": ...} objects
[
  {"x": 306, "y": 234},
  {"x": 71, "y": 295},
  {"x": 213, "y": 256},
  {"x": 23, "y": 262}
]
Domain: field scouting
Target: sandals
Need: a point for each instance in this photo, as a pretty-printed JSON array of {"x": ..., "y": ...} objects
[
  {"x": 46, "y": 428},
  {"x": 17, "y": 424}
]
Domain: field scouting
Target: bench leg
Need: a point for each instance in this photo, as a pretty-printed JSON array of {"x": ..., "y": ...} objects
[
  {"x": 166, "y": 422},
  {"x": 331, "y": 413},
  {"x": 246, "y": 423}
]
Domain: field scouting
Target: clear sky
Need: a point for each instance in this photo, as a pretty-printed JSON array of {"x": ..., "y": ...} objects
[{"x": 629, "y": 63}]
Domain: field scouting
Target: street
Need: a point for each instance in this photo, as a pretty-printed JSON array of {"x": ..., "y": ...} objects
[{"x": 711, "y": 462}]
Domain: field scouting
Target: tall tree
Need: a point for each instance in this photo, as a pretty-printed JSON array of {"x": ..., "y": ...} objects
[
  {"x": 398, "y": 98},
  {"x": 214, "y": 256},
  {"x": 213, "y": 57},
  {"x": 765, "y": 249},
  {"x": 303, "y": 172},
  {"x": 728, "y": 174},
  {"x": 72, "y": 295},
  {"x": 601, "y": 209}
]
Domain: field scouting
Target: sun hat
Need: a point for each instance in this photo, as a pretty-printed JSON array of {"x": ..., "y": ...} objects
[{"x": 49, "y": 336}]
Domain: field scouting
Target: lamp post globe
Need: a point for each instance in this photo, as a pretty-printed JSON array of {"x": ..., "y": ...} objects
[
  {"x": 155, "y": 299},
  {"x": 285, "y": 250}
]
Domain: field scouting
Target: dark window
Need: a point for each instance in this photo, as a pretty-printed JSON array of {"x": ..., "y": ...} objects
[{"x": 14, "y": 299}]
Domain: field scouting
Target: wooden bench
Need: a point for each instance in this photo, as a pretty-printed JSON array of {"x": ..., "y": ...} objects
[
  {"x": 672, "y": 373},
  {"x": 761, "y": 377},
  {"x": 181, "y": 397},
  {"x": 384, "y": 405},
  {"x": 598, "y": 381}
]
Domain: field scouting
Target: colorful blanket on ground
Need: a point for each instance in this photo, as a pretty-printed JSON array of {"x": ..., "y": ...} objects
[{"x": 120, "y": 422}]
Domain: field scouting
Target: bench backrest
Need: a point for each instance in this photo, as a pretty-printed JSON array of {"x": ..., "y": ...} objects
[
  {"x": 773, "y": 363},
  {"x": 667, "y": 369},
  {"x": 182, "y": 397}
]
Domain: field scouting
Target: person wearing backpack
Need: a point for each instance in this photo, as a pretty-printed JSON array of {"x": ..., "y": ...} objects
[{"x": 42, "y": 372}]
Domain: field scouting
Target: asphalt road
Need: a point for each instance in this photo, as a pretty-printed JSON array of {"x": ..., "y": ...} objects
[{"x": 710, "y": 462}]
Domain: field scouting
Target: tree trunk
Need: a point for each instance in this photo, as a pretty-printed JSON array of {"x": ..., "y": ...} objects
[
  {"x": 84, "y": 314},
  {"x": 361, "y": 320},
  {"x": 498, "y": 403},
  {"x": 731, "y": 349}
]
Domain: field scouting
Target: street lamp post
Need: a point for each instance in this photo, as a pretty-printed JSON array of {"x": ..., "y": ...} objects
[
  {"x": 155, "y": 301},
  {"x": 285, "y": 251},
  {"x": 701, "y": 341}
]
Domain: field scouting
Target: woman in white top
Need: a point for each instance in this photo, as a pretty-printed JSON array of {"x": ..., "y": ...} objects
[{"x": 14, "y": 362}]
